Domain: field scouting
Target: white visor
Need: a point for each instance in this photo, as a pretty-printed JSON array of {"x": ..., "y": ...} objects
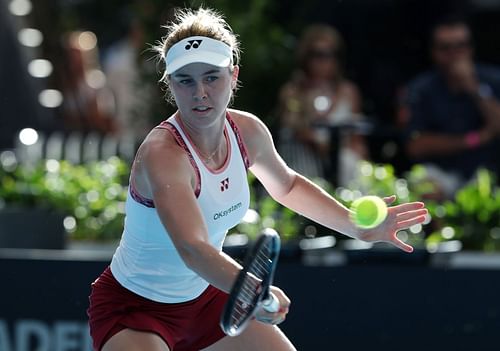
[{"x": 197, "y": 50}]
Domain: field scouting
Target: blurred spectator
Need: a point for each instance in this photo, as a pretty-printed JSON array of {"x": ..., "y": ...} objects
[
  {"x": 122, "y": 66},
  {"x": 318, "y": 95},
  {"x": 88, "y": 104},
  {"x": 454, "y": 110}
]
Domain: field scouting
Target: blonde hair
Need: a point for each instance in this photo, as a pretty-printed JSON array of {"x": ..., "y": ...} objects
[{"x": 201, "y": 22}]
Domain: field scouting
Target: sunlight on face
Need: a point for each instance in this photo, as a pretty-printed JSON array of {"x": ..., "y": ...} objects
[{"x": 202, "y": 90}]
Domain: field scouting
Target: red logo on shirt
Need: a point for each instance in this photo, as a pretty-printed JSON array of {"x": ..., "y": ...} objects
[{"x": 224, "y": 184}]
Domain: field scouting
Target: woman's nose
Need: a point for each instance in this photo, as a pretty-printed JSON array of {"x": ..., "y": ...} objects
[{"x": 199, "y": 92}]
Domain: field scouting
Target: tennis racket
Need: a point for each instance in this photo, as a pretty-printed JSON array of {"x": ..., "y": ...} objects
[{"x": 251, "y": 288}]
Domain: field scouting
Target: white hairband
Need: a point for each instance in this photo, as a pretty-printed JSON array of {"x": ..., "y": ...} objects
[{"x": 197, "y": 50}]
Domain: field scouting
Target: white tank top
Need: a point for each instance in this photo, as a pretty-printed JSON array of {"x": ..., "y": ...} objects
[{"x": 146, "y": 261}]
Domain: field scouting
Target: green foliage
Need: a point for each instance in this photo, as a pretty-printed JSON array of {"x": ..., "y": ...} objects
[
  {"x": 473, "y": 217},
  {"x": 91, "y": 195}
]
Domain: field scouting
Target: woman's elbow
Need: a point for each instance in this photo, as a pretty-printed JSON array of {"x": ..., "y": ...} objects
[
  {"x": 285, "y": 187},
  {"x": 190, "y": 253}
]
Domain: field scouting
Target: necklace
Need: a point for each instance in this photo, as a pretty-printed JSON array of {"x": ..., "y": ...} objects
[{"x": 208, "y": 158}]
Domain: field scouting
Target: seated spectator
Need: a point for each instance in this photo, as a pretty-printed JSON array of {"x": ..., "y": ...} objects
[
  {"x": 124, "y": 65},
  {"x": 318, "y": 95},
  {"x": 454, "y": 110},
  {"x": 88, "y": 103}
]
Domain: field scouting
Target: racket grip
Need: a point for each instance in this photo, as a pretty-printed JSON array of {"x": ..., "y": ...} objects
[{"x": 271, "y": 304}]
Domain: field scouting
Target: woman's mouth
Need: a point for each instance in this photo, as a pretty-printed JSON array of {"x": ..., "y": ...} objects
[{"x": 201, "y": 108}]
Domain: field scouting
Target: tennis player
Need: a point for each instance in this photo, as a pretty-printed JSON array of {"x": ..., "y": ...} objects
[{"x": 168, "y": 280}]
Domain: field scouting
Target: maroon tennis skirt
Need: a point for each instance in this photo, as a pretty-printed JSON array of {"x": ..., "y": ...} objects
[{"x": 186, "y": 326}]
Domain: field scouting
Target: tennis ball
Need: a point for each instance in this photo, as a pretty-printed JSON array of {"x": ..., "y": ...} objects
[{"x": 368, "y": 212}]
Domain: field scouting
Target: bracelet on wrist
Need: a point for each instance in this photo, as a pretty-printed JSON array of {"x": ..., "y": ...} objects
[{"x": 472, "y": 139}]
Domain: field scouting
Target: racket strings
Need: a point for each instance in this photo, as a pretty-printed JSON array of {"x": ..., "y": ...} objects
[{"x": 251, "y": 287}]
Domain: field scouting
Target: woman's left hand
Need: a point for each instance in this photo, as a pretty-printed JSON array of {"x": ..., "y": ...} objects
[{"x": 398, "y": 218}]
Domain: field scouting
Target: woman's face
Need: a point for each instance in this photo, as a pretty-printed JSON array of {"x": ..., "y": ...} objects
[
  {"x": 202, "y": 92},
  {"x": 322, "y": 59}
]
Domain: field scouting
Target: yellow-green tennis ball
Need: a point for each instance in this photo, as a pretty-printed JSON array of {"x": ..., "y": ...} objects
[{"x": 368, "y": 212}]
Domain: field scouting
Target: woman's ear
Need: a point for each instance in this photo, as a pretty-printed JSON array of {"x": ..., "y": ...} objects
[{"x": 234, "y": 78}]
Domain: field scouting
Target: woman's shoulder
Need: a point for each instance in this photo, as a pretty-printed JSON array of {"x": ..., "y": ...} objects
[
  {"x": 160, "y": 144},
  {"x": 245, "y": 120},
  {"x": 240, "y": 114},
  {"x": 158, "y": 156},
  {"x": 253, "y": 131},
  {"x": 255, "y": 134}
]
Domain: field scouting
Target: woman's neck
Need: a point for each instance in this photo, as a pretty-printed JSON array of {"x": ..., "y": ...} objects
[{"x": 209, "y": 141}]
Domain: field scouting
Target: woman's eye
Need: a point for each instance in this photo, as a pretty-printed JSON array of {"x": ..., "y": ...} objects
[
  {"x": 185, "y": 81},
  {"x": 212, "y": 78}
]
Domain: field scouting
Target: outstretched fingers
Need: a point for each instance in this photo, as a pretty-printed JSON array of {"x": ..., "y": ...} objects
[
  {"x": 401, "y": 245},
  {"x": 410, "y": 222},
  {"x": 410, "y": 214},
  {"x": 409, "y": 206},
  {"x": 389, "y": 199},
  {"x": 407, "y": 215},
  {"x": 404, "y": 221}
]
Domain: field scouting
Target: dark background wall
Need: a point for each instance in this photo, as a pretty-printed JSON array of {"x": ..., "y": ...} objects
[{"x": 364, "y": 306}]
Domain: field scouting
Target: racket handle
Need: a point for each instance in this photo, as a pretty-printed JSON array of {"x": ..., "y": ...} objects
[{"x": 271, "y": 304}]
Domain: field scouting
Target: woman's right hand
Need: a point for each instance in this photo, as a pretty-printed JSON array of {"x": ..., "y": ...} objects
[{"x": 275, "y": 317}]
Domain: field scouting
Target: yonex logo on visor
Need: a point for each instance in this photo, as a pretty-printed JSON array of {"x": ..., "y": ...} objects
[
  {"x": 208, "y": 50},
  {"x": 195, "y": 44}
]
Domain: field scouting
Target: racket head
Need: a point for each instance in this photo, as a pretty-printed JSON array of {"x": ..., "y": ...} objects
[{"x": 252, "y": 284}]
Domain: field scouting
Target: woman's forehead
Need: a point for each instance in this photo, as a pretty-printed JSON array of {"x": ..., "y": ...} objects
[{"x": 196, "y": 69}]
